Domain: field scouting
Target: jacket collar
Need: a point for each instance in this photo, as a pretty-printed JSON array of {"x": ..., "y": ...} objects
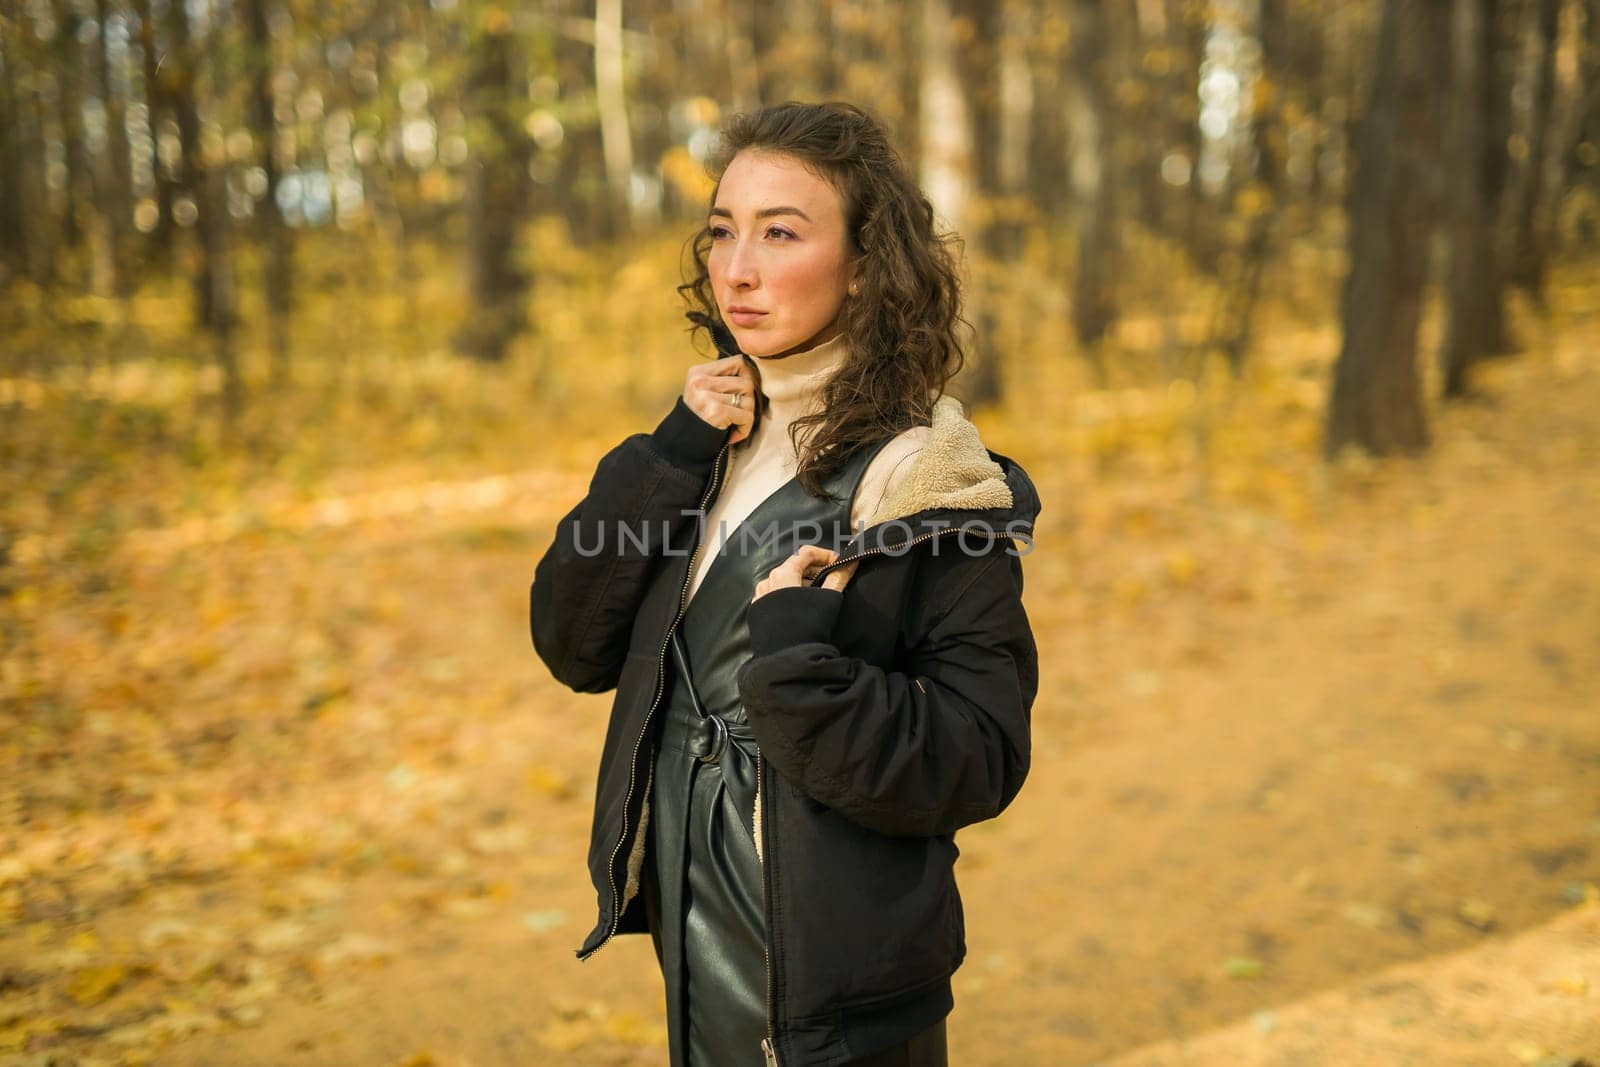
[
  {"x": 953, "y": 471},
  {"x": 954, "y": 481}
]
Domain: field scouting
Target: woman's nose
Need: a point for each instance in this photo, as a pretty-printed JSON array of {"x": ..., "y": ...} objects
[{"x": 742, "y": 268}]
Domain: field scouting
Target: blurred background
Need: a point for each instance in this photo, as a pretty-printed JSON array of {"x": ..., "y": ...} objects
[{"x": 317, "y": 317}]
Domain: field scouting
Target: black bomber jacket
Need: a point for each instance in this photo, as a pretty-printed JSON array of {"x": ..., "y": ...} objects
[{"x": 888, "y": 715}]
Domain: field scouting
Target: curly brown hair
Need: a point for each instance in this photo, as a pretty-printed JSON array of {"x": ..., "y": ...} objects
[{"x": 901, "y": 324}]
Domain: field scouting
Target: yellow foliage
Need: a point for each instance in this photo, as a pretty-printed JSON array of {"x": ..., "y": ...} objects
[
  {"x": 687, "y": 175},
  {"x": 91, "y": 985},
  {"x": 577, "y": 1026},
  {"x": 551, "y": 783},
  {"x": 1182, "y": 566}
]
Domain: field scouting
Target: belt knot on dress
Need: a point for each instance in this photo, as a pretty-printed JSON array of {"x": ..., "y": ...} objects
[{"x": 707, "y": 739}]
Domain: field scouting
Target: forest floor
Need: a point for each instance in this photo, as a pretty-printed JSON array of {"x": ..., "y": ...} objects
[{"x": 1316, "y": 776}]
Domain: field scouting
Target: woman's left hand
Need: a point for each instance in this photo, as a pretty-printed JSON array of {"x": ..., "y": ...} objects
[{"x": 802, "y": 567}]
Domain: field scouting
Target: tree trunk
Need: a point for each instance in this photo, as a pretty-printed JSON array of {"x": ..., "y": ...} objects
[
  {"x": 1013, "y": 153},
  {"x": 112, "y": 163},
  {"x": 744, "y": 77},
  {"x": 907, "y": 118},
  {"x": 1047, "y": 159},
  {"x": 1271, "y": 143},
  {"x": 69, "y": 116},
  {"x": 206, "y": 179},
  {"x": 1580, "y": 156},
  {"x": 653, "y": 138},
  {"x": 15, "y": 195},
  {"x": 43, "y": 238},
  {"x": 946, "y": 128},
  {"x": 1471, "y": 212},
  {"x": 847, "y": 47},
  {"x": 216, "y": 273},
  {"x": 978, "y": 41},
  {"x": 580, "y": 184},
  {"x": 616, "y": 141},
  {"x": 1376, "y": 401},
  {"x": 794, "y": 63},
  {"x": 1307, "y": 64},
  {"x": 1477, "y": 328},
  {"x": 1092, "y": 123},
  {"x": 271, "y": 227},
  {"x": 1532, "y": 224},
  {"x": 946, "y": 138},
  {"x": 702, "y": 52},
  {"x": 497, "y": 177},
  {"x": 1501, "y": 46},
  {"x": 1191, "y": 216},
  {"x": 180, "y": 87},
  {"x": 158, "y": 104},
  {"x": 1147, "y": 88}
]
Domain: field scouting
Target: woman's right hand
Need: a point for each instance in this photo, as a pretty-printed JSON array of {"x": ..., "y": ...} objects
[{"x": 711, "y": 389}]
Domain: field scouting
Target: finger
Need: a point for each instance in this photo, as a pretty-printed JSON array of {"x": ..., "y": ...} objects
[
  {"x": 816, "y": 558},
  {"x": 815, "y": 555},
  {"x": 725, "y": 366},
  {"x": 793, "y": 567},
  {"x": 739, "y": 416},
  {"x": 743, "y": 377},
  {"x": 724, "y": 387},
  {"x": 725, "y": 391},
  {"x": 716, "y": 405},
  {"x": 838, "y": 579},
  {"x": 790, "y": 572}
]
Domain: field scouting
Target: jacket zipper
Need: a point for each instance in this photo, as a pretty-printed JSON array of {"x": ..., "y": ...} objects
[
  {"x": 817, "y": 580},
  {"x": 769, "y": 1048},
  {"x": 661, "y": 665}
]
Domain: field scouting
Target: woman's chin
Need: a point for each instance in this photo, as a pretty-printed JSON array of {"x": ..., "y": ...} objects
[
  {"x": 758, "y": 343},
  {"x": 766, "y": 344},
  {"x": 770, "y": 348}
]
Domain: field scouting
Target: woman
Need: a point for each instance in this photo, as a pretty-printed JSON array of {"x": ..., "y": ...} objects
[{"x": 823, "y": 677}]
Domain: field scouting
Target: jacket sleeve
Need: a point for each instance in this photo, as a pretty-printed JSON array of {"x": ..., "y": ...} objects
[
  {"x": 920, "y": 751},
  {"x": 588, "y": 585}
]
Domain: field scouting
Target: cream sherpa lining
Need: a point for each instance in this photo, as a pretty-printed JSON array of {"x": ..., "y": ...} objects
[
  {"x": 953, "y": 470},
  {"x": 636, "y": 853},
  {"x": 756, "y": 830}
]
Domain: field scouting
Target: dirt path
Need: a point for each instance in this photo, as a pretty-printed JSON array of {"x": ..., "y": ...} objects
[
  {"x": 1280, "y": 747},
  {"x": 1523, "y": 999}
]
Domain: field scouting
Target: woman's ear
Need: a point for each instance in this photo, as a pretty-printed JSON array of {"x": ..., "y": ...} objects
[{"x": 853, "y": 278}]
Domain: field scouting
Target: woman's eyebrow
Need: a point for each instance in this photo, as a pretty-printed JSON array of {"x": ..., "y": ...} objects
[{"x": 764, "y": 213}]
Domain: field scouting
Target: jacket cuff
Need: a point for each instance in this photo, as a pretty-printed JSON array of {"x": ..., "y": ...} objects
[
  {"x": 793, "y": 615},
  {"x": 687, "y": 440}
]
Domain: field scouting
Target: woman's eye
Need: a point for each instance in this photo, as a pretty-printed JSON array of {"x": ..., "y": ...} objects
[
  {"x": 778, "y": 231},
  {"x": 719, "y": 232}
]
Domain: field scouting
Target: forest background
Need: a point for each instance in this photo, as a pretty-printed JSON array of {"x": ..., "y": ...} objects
[{"x": 316, "y": 317}]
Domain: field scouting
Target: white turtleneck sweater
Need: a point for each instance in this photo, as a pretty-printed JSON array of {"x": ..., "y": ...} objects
[{"x": 764, "y": 462}]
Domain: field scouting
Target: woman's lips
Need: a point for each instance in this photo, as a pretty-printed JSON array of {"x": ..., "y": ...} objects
[{"x": 746, "y": 318}]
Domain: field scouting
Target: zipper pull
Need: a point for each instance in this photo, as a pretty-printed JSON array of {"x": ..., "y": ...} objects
[{"x": 768, "y": 1051}]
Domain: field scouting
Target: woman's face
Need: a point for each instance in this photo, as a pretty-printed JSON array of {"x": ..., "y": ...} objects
[{"x": 780, "y": 257}]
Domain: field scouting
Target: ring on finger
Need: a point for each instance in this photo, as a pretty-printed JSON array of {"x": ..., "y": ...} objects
[{"x": 738, "y": 399}]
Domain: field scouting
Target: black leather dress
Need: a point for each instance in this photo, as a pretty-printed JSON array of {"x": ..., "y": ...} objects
[{"x": 702, "y": 881}]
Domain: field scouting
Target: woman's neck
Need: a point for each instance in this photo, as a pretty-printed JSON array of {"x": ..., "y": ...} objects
[{"x": 793, "y": 383}]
